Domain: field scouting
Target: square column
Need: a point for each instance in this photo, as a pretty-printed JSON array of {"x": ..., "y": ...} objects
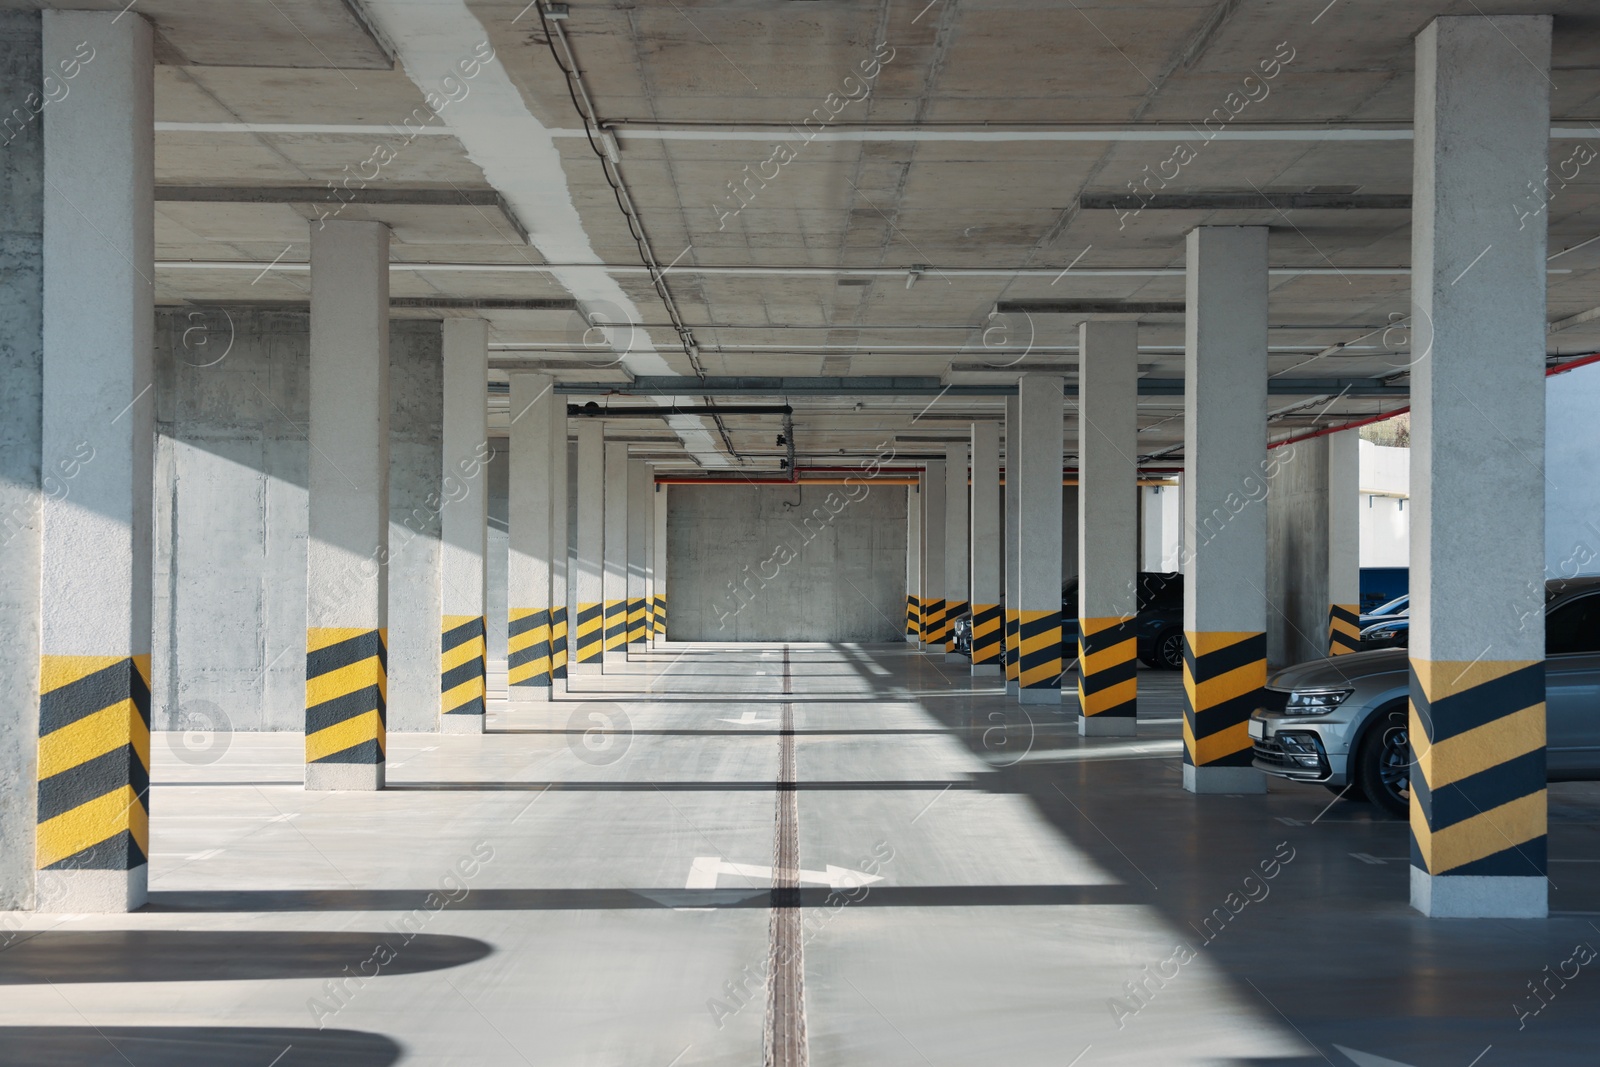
[
  {"x": 914, "y": 563},
  {"x": 615, "y": 584},
  {"x": 934, "y": 625},
  {"x": 347, "y": 554},
  {"x": 1224, "y": 511},
  {"x": 1041, "y": 425},
  {"x": 1344, "y": 543},
  {"x": 1013, "y": 505},
  {"x": 1108, "y": 527},
  {"x": 984, "y": 586},
  {"x": 587, "y": 633},
  {"x": 640, "y": 481},
  {"x": 957, "y": 561},
  {"x": 659, "y": 575},
  {"x": 528, "y": 571},
  {"x": 560, "y": 548},
  {"x": 97, "y": 439},
  {"x": 464, "y": 528},
  {"x": 1477, "y": 718}
]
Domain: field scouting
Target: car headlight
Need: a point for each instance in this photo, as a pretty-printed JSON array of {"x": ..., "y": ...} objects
[
  {"x": 1315, "y": 701},
  {"x": 1378, "y": 635}
]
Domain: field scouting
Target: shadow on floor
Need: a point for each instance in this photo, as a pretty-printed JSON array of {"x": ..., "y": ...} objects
[{"x": 193, "y": 1046}]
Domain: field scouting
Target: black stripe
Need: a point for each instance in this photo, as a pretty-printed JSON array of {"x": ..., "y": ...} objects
[
  {"x": 460, "y": 635},
  {"x": 460, "y": 674},
  {"x": 1343, "y": 615},
  {"x": 1471, "y": 708},
  {"x": 1106, "y": 677},
  {"x": 1033, "y": 628},
  {"x": 1128, "y": 709},
  {"x": 343, "y": 653},
  {"x": 1221, "y": 661},
  {"x": 530, "y": 621},
  {"x": 366, "y": 752},
  {"x": 1111, "y": 636},
  {"x": 1527, "y": 860},
  {"x": 1477, "y": 793},
  {"x": 93, "y": 778},
  {"x": 1204, "y": 722},
  {"x": 986, "y": 614},
  {"x": 89, "y": 694},
  {"x": 471, "y": 707},
  {"x": 588, "y": 613},
  {"x": 119, "y": 852},
  {"x": 335, "y": 711},
  {"x": 523, "y": 656},
  {"x": 1040, "y": 658}
]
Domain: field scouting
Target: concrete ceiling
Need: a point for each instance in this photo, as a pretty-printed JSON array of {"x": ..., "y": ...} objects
[{"x": 948, "y": 184}]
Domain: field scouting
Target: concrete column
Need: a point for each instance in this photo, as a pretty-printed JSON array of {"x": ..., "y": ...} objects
[
  {"x": 1477, "y": 722},
  {"x": 95, "y": 428},
  {"x": 1225, "y": 517},
  {"x": 347, "y": 606},
  {"x": 1108, "y": 527},
  {"x": 660, "y": 496},
  {"x": 464, "y": 528},
  {"x": 616, "y": 551},
  {"x": 1041, "y": 424},
  {"x": 1013, "y": 504},
  {"x": 984, "y": 585},
  {"x": 957, "y": 559},
  {"x": 934, "y": 624},
  {"x": 588, "y": 627},
  {"x": 416, "y": 510},
  {"x": 559, "y": 549},
  {"x": 533, "y": 403},
  {"x": 640, "y": 528},
  {"x": 914, "y": 563},
  {"x": 1344, "y": 543}
]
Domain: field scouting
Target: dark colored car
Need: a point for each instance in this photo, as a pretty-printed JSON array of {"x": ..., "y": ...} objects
[
  {"x": 1393, "y": 632},
  {"x": 1399, "y": 607}
]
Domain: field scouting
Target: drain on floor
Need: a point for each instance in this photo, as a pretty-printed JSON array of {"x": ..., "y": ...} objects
[{"x": 786, "y": 1001}]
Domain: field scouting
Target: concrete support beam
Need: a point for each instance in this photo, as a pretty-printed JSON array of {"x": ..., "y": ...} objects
[
  {"x": 560, "y": 551},
  {"x": 640, "y": 481},
  {"x": 957, "y": 558},
  {"x": 96, "y": 434},
  {"x": 1108, "y": 527},
  {"x": 588, "y": 626},
  {"x": 416, "y": 509},
  {"x": 659, "y": 570},
  {"x": 934, "y": 624},
  {"x": 347, "y": 604},
  {"x": 1225, "y": 518},
  {"x": 533, "y": 409},
  {"x": 914, "y": 563},
  {"x": 1036, "y": 467},
  {"x": 464, "y": 528},
  {"x": 1013, "y": 506},
  {"x": 984, "y": 585},
  {"x": 1344, "y": 543},
  {"x": 1477, "y": 722},
  {"x": 615, "y": 584}
]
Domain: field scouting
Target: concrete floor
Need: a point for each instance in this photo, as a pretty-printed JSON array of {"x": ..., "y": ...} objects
[{"x": 535, "y": 893}]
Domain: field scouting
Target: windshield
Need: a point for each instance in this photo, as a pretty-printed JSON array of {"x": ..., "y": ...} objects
[{"x": 1393, "y": 607}]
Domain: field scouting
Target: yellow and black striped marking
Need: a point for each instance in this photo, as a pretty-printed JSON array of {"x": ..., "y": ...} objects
[
  {"x": 94, "y": 762},
  {"x": 1108, "y": 680},
  {"x": 1011, "y": 645},
  {"x": 987, "y": 639},
  {"x": 591, "y": 633},
  {"x": 616, "y": 624},
  {"x": 558, "y": 642},
  {"x": 649, "y": 615},
  {"x": 661, "y": 615},
  {"x": 462, "y": 665},
  {"x": 953, "y": 610},
  {"x": 933, "y": 624},
  {"x": 528, "y": 647},
  {"x": 1223, "y": 675},
  {"x": 636, "y": 628},
  {"x": 913, "y": 615},
  {"x": 1344, "y": 629},
  {"x": 1039, "y": 649},
  {"x": 347, "y": 689},
  {"x": 1478, "y": 797}
]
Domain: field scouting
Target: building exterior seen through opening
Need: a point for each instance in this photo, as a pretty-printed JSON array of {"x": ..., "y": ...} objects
[{"x": 729, "y": 532}]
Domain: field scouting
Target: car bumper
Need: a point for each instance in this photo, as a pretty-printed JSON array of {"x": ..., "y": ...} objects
[{"x": 1299, "y": 748}]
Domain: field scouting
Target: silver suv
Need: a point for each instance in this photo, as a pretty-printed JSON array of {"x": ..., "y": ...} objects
[{"x": 1344, "y": 722}]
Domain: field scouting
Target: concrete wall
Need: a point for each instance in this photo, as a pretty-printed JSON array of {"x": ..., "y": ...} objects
[
  {"x": 499, "y": 547},
  {"x": 811, "y": 563},
  {"x": 1297, "y": 554},
  {"x": 230, "y": 521}
]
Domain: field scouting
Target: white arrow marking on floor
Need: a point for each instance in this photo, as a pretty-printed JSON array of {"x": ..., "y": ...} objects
[
  {"x": 747, "y": 719},
  {"x": 1367, "y": 1059},
  {"x": 704, "y": 870}
]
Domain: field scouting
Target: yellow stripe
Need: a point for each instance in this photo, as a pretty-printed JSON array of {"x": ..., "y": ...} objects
[
  {"x": 1213, "y": 747},
  {"x": 57, "y": 671},
  {"x": 467, "y": 650},
  {"x": 1445, "y": 678},
  {"x": 347, "y": 734},
  {"x": 347, "y": 680},
  {"x": 318, "y": 637},
  {"x": 1048, "y": 639},
  {"x": 527, "y": 638},
  {"x": 1489, "y": 745},
  {"x": 467, "y": 690},
  {"x": 1105, "y": 658},
  {"x": 1238, "y": 682},
  {"x": 1121, "y": 693},
  {"x": 89, "y": 824},
  {"x": 94, "y": 735},
  {"x": 1041, "y": 673},
  {"x": 1205, "y": 642},
  {"x": 523, "y": 672},
  {"x": 1511, "y": 824}
]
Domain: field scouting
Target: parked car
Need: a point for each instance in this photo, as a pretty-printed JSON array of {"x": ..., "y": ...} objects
[
  {"x": 1393, "y": 632},
  {"x": 1394, "y": 609},
  {"x": 1158, "y": 628},
  {"x": 1344, "y": 722},
  {"x": 961, "y": 629}
]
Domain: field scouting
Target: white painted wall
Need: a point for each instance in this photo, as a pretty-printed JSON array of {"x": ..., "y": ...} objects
[
  {"x": 1161, "y": 533},
  {"x": 1385, "y": 506},
  {"x": 1572, "y": 462}
]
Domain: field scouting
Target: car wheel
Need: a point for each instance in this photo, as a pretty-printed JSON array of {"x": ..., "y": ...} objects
[
  {"x": 1169, "y": 650},
  {"x": 1385, "y": 764}
]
